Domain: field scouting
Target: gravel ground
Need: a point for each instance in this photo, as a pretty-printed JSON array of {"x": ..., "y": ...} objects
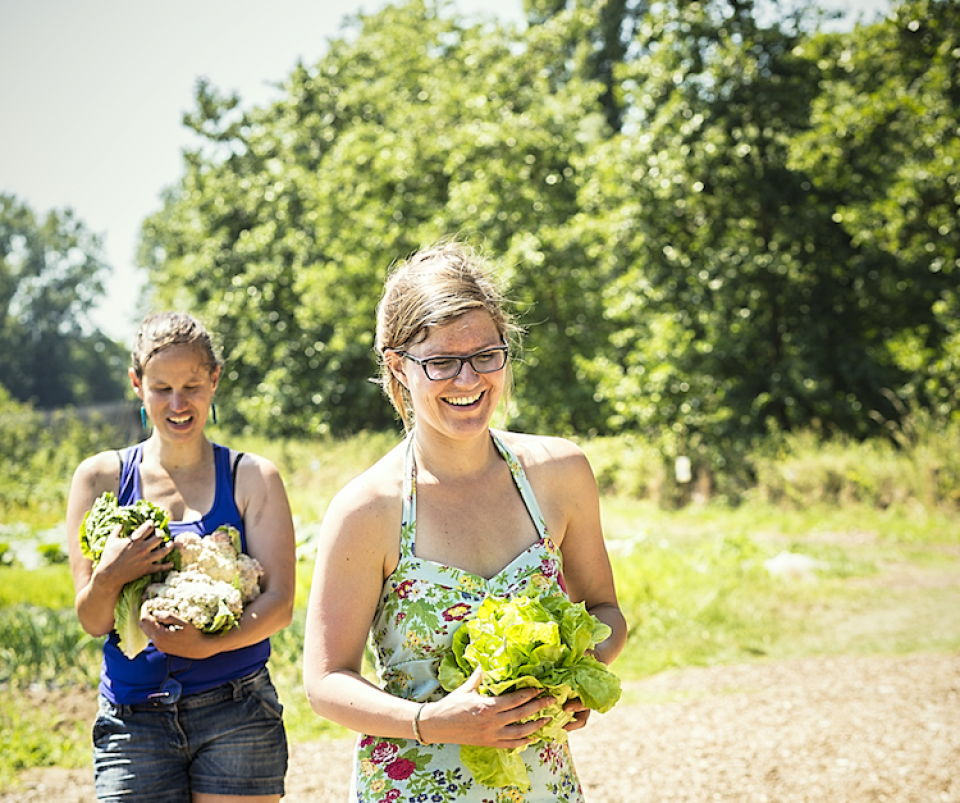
[{"x": 825, "y": 730}]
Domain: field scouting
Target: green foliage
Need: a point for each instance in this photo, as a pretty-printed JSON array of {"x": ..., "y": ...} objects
[
  {"x": 38, "y": 455},
  {"x": 51, "y": 276},
  {"x": 714, "y": 223},
  {"x": 883, "y": 142},
  {"x": 419, "y": 127},
  {"x": 45, "y": 646},
  {"x": 44, "y": 587},
  {"x": 40, "y": 733}
]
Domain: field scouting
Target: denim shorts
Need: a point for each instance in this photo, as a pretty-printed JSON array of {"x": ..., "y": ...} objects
[{"x": 226, "y": 741}]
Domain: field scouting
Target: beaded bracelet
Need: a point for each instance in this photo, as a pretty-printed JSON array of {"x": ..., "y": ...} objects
[{"x": 416, "y": 725}]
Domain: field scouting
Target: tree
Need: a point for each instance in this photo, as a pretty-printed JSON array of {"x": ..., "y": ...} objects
[
  {"x": 51, "y": 276},
  {"x": 884, "y": 142},
  {"x": 742, "y": 306},
  {"x": 287, "y": 219}
]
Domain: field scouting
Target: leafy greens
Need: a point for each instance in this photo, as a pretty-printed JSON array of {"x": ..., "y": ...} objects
[
  {"x": 99, "y": 522},
  {"x": 529, "y": 641}
]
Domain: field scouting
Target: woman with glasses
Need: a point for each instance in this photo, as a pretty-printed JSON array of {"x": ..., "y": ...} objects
[
  {"x": 193, "y": 718},
  {"x": 455, "y": 513}
]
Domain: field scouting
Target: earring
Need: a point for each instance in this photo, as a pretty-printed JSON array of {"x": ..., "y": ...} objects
[
  {"x": 143, "y": 417},
  {"x": 213, "y": 411}
]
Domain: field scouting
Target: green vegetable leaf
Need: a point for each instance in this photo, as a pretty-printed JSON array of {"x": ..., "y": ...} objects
[
  {"x": 97, "y": 525},
  {"x": 529, "y": 641}
]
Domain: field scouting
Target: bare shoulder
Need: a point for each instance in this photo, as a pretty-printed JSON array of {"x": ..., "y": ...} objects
[
  {"x": 98, "y": 473},
  {"x": 545, "y": 453},
  {"x": 252, "y": 466},
  {"x": 373, "y": 494}
]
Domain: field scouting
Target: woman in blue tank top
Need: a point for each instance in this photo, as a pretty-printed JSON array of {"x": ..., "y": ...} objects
[{"x": 194, "y": 718}]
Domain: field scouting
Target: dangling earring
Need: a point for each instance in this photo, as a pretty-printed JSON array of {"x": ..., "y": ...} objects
[
  {"x": 143, "y": 417},
  {"x": 213, "y": 411}
]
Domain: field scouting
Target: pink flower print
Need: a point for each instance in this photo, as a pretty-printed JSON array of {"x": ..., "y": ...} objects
[
  {"x": 393, "y": 794},
  {"x": 404, "y": 589},
  {"x": 384, "y": 753},
  {"x": 401, "y": 769},
  {"x": 366, "y": 741},
  {"x": 400, "y": 617},
  {"x": 456, "y": 613}
]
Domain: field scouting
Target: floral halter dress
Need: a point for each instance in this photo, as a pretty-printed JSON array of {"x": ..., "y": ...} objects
[{"x": 420, "y": 608}]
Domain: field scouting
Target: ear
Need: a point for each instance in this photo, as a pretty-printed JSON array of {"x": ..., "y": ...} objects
[
  {"x": 397, "y": 366},
  {"x": 215, "y": 378},
  {"x": 135, "y": 381}
]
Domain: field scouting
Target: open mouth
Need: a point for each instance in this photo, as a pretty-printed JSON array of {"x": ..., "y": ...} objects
[
  {"x": 180, "y": 420},
  {"x": 464, "y": 401}
]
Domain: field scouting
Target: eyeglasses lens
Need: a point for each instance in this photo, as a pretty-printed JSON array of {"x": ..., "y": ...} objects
[{"x": 487, "y": 362}]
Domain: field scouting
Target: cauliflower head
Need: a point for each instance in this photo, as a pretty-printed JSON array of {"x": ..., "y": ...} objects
[{"x": 214, "y": 583}]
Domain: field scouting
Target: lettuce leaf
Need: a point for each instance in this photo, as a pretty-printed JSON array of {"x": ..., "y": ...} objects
[
  {"x": 529, "y": 641},
  {"x": 97, "y": 524}
]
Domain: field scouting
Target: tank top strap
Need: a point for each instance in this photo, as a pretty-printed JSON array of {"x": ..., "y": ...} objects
[
  {"x": 129, "y": 491},
  {"x": 522, "y": 483},
  {"x": 408, "y": 521}
]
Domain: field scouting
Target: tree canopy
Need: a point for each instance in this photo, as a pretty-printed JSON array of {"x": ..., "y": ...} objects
[
  {"x": 714, "y": 221},
  {"x": 51, "y": 276}
]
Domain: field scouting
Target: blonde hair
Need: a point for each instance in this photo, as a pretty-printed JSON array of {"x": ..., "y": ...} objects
[
  {"x": 160, "y": 330},
  {"x": 432, "y": 288}
]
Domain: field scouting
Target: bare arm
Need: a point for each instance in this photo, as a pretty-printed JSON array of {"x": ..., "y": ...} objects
[
  {"x": 357, "y": 549},
  {"x": 587, "y": 569},
  {"x": 270, "y": 538}
]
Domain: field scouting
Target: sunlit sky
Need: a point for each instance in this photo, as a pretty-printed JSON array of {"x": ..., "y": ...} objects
[{"x": 92, "y": 93}]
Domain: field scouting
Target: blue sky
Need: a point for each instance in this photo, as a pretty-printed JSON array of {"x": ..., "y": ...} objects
[{"x": 92, "y": 94}]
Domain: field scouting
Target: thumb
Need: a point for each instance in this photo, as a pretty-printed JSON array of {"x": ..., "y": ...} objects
[{"x": 474, "y": 681}]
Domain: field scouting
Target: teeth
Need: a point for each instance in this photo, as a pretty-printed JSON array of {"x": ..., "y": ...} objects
[
  {"x": 464, "y": 401},
  {"x": 181, "y": 420}
]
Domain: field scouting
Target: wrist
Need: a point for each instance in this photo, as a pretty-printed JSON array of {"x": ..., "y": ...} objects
[{"x": 417, "y": 722}]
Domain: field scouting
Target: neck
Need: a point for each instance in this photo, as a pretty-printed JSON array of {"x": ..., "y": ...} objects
[
  {"x": 177, "y": 457},
  {"x": 446, "y": 459}
]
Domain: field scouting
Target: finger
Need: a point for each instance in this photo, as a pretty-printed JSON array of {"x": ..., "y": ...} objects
[
  {"x": 474, "y": 681},
  {"x": 143, "y": 531}
]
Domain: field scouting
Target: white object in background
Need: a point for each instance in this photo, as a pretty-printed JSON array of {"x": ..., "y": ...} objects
[
  {"x": 682, "y": 469},
  {"x": 793, "y": 564}
]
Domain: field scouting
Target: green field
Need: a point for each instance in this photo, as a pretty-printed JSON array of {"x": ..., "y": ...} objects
[{"x": 692, "y": 583}]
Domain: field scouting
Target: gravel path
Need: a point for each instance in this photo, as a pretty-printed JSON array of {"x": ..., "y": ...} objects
[{"x": 825, "y": 730}]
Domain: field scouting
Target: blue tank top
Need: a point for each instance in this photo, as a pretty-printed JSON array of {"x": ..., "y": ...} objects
[{"x": 124, "y": 681}]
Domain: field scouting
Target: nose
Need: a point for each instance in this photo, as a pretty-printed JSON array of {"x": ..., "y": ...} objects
[
  {"x": 467, "y": 375},
  {"x": 177, "y": 400}
]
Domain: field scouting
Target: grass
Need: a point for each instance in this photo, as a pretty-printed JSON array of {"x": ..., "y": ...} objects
[{"x": 692, "y": 584}]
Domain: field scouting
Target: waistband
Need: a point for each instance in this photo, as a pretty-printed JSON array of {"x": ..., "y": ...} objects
[{"x": 230, "y": 690}]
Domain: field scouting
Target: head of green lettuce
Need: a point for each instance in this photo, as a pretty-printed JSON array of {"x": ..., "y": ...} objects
[{"x": 529, "y": 641}]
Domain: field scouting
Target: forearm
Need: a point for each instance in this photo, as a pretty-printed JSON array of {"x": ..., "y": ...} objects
[
  {"x": 95, "y": 604},
  {"x": 350, "y": 700},
  {"x": 610, "y": 614}
]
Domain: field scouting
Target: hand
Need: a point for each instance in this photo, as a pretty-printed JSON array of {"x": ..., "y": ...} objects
[
  {"x": 580, "y": 712},
  {"x": 126, "y": 559},
  {"x": 467, "y": 717},
  {"x": 174, "y": 635}
]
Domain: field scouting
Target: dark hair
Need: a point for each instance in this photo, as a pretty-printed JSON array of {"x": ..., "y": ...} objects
[
  {"x": 432, "y": 288},
  {"x": 160, "y": 330}
]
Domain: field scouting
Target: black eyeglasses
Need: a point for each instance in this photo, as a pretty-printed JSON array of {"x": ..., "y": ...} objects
[{"x": 437, "y": 369}]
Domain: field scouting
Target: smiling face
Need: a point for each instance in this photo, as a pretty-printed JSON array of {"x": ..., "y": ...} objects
[
  {"x": 462, "y": 406},
  {"x": 176, "y": 388}
]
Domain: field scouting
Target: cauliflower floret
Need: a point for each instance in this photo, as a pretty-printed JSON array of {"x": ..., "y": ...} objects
[
  {"x": 249, "y": 577},
  {"x": 213, "y": 584}
]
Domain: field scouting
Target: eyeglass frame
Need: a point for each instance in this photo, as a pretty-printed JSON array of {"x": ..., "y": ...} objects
[{"x": 423, "y": 362}]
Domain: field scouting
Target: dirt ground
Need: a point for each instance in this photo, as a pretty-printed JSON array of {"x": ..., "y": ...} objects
[{"x": 824, "y": 730}]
